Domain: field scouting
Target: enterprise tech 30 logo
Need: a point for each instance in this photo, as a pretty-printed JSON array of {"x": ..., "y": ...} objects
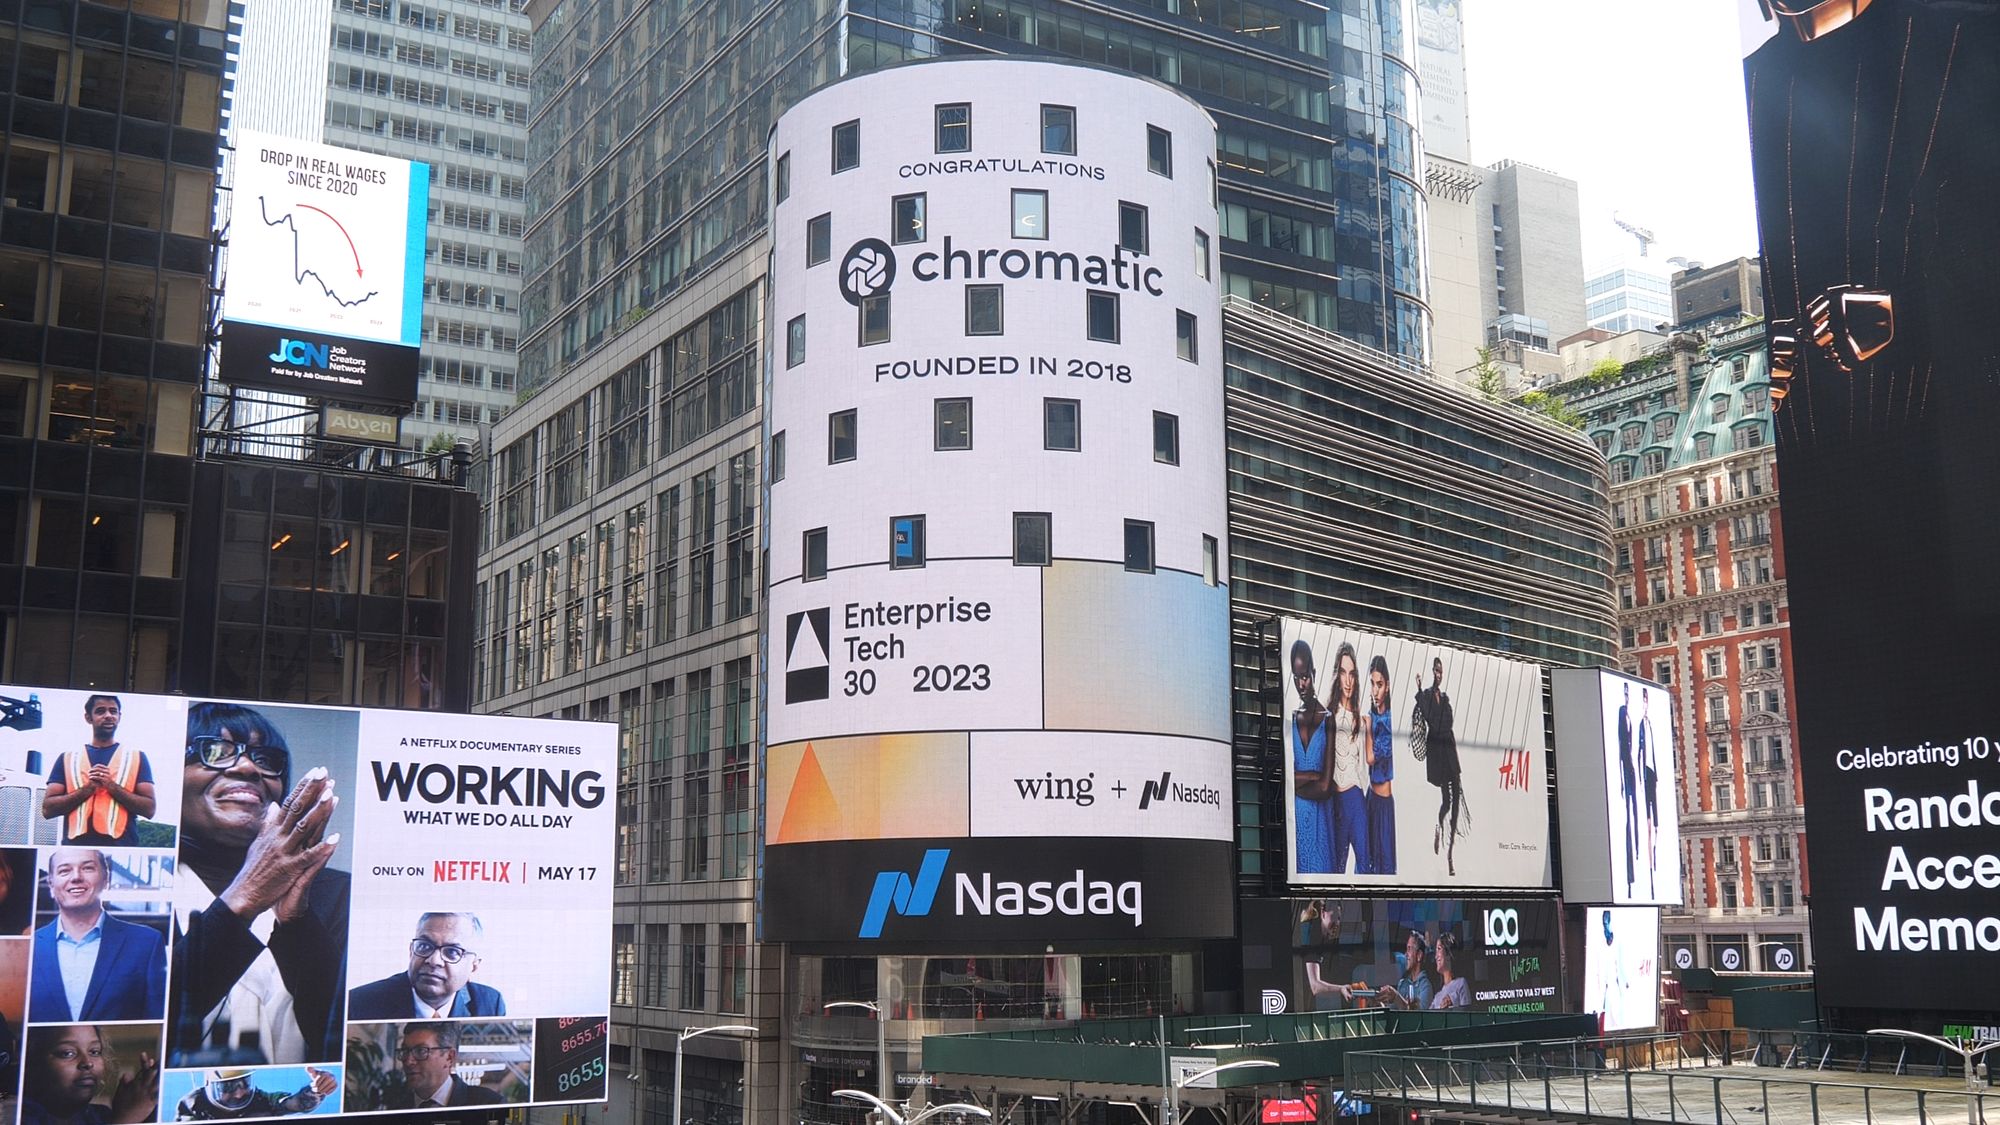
[{"x": 913, "y": 896}]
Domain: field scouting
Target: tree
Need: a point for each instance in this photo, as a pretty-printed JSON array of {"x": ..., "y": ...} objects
[
  {"x": 1553, "y": 408},
  {"x": 1488, "y": 378},
  {"x": 441, "y": 443},
  {"x": 1605, "y": 370}
]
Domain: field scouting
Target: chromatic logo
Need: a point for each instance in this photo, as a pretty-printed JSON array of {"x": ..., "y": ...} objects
[
  {"x": 303, "y": 352},
  {"x": 868, "y": 270},
  {"x": 909, "y": 897},
  {"x": 807, "y": 672},
  {"x": 1503, "y": 927}
]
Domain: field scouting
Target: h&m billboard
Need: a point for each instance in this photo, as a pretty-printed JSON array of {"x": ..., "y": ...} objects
[
  {"x": 1621, "y": 966},
  {"x": 1411, "y": 764},
  {"x": 316, "y": 910},
  {"x": 1875, "y": 147}
]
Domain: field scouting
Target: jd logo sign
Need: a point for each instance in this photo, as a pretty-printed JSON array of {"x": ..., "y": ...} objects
[
  {"x": 868, "y": 270},
  {"x": 1503, "y": 927}
]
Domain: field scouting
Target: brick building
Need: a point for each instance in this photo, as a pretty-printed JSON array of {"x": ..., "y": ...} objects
[{"x": 1702, "y": 609}]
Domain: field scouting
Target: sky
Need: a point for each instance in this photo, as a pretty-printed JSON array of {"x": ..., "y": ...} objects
[{"x": 1639, "y": 101}]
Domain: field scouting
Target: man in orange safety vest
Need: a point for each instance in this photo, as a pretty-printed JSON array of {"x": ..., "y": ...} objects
[{"x": 101, "y": 790}]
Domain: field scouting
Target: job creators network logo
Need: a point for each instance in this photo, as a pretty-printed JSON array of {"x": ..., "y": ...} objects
[{"x": 868, "y": 270}]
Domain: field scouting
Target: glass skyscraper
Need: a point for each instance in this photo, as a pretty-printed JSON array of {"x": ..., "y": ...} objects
[
  {"x": 649, "y": 124},
  {"x": 621, "y": 580}
]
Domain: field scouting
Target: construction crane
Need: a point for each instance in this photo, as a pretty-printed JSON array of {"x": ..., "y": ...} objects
[{"x": 1643, "y": 234}]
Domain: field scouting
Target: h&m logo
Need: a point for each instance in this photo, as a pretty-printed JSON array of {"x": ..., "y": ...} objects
[
  {"x": 896, "y": 890},
  {"x": 303, "y": 352}
]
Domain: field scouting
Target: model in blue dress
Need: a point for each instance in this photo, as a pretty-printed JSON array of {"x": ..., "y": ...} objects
[{"x": 1312, "y": 812}]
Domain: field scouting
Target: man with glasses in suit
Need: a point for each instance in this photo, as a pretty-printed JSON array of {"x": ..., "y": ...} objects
[
  {"x": 437, "y": 985},
  {"x": 427, "y": 1055}
]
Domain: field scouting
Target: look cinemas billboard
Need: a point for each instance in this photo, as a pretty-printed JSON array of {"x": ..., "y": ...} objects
[
  {"x": 1876, "y": 149},
  {"x": 317, "y": 910},
  {"x": 1439, "y": 954},
  {"x": 998, "y": 704}
]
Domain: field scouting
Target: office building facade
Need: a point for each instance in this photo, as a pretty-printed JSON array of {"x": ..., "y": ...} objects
[
  {"x": 1702, "y": 610},
  {"x": 109, "y": 165},
  {"x": 445, "y": 82},
  {"x": 1627, "y": 294},
  {"x": 137, "y": 550},
  {"x": 1532, "y": 265},
  {"x": 1719, "y": 295}
]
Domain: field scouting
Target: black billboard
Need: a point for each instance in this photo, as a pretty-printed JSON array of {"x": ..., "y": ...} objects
[
  {"x": 1334, "y": 954},
  {"x": 998, "y": 890},
  {"x": 1876, "y": 147},
  {"x": 317, "y": 365}
]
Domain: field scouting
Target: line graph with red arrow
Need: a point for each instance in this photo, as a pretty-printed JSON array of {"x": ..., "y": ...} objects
[{"x": 300, "y": 272}]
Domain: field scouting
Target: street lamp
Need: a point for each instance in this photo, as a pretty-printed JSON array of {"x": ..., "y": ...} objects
[
  {"x": 890, "y": 1115},
  {"x": 1964, "y": 1052},
  {"x": 688, "y": 1033},
  {"x": 883, "y": 1080},
  {"x": 1169, "y": 1116}
]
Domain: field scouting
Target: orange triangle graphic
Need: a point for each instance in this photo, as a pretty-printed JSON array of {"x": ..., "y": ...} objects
[{"x": 811, "y": 813}]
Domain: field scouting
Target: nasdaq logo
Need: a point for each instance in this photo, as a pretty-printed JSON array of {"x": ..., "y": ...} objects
[
  {"x": 1167, "y": 789},
  {"x": 907, "y": 896}
]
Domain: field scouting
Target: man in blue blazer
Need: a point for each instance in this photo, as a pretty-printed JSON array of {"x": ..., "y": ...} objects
[
  {"x": 88, "y": 965},
  {"x": 443, "y": 957}
]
